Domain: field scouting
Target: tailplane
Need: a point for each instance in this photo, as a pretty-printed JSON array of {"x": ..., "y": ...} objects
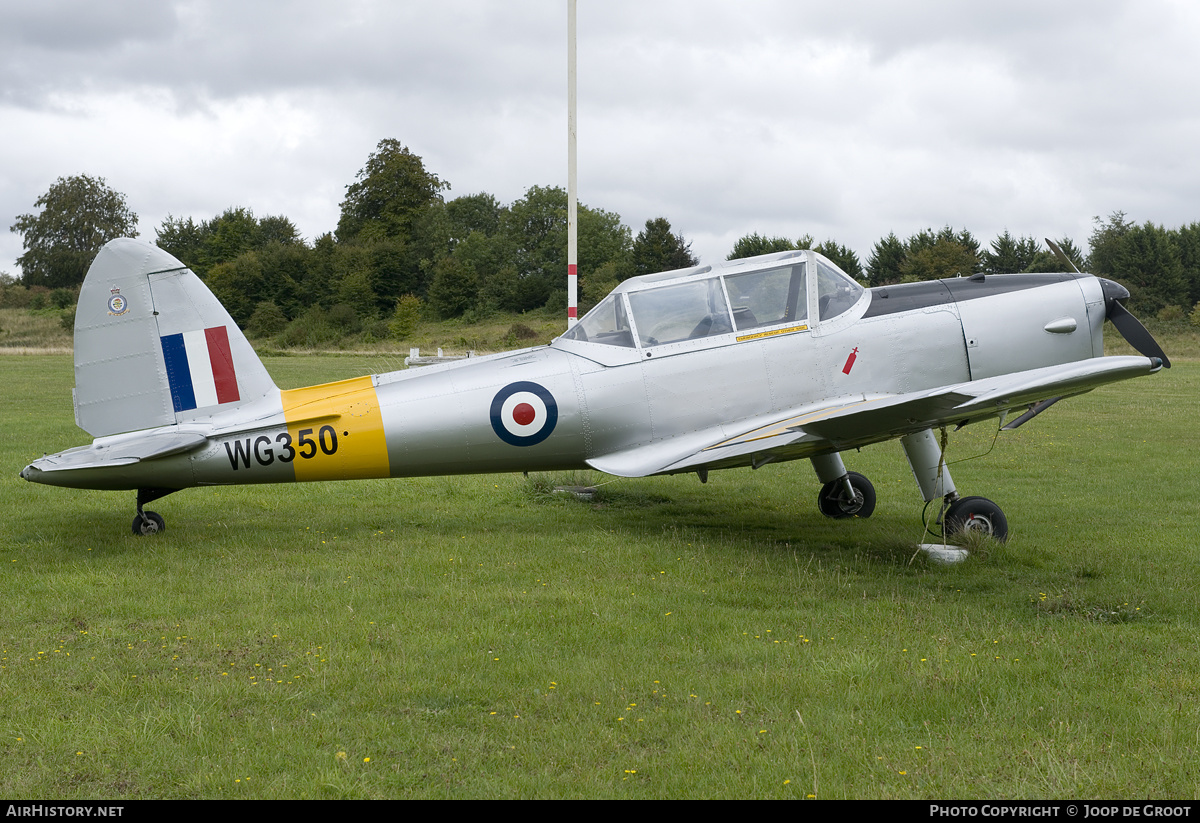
[{"x": 154, "y": 347}]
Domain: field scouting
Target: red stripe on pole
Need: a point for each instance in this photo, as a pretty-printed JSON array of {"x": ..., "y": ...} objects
[
  {"x": 221, "y": 359},
  {"x": 572, "y": 311},
  {"x": 572, "y": 270}
]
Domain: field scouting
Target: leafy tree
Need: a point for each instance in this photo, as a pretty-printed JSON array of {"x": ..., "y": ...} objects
[
  {"x": 1047, "y": 261},
  {"x": 752, "y": 245},
  {"x": 454, "y": 287},
  {"x": 184, "y": 240},
  {"x": 944, "y": 258},
  {"x": 596, "y": 285},
  {"x": 1187, "y": 240},
  {"x": 233, "y": 232},
  {"x": 842, "y": 256},
  {"x": 78, "y": 216},
  {"x": 886, "y": 263},
  {"x": 284, "y": 268},
  {"x": 603, "y": 239},
  {"x": 930, "y": 255},
  {"x": 1142, "y": 258},
  {"x": 491, "y": 258},
  {"x": 238, "y": 284},
  {"x": 1008, "y": 254},
  {"x": 1105, "y": 242},
  {"x": 355, "y": 292},
  {"x": 1073, "y": 253},
  {"x": 499, "y": 289},
  {"x": 657, "y": 248},
  {"x": 480, "y": 212},
  {"x": 392, "y": 189},
  {"x": 537, "y": 226},
  {"x": 321, "y": 274},
  {"x": 535, "y": 234}
]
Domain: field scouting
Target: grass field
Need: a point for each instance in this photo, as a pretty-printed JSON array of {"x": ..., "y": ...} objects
[{"x": 476, "y": 637}]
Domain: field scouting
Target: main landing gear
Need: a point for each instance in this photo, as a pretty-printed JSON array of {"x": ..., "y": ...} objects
[
  {"x": 146, "y": 523},
  {"x": 849, "y": 494},
  {"x": 844, "y": 493}
]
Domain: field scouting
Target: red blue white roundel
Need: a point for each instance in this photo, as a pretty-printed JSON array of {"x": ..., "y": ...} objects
[{"x": 523, "y": 414}]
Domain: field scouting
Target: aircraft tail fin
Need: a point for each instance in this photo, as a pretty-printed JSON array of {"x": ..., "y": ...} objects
[{"x": 153, "y": 346}]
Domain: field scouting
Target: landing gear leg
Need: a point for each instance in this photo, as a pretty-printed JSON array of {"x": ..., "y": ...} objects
[
  {"x": 844, "y": 494},
  {"x": 146, "y": 523},
  {"x": 933, "y": 477}
]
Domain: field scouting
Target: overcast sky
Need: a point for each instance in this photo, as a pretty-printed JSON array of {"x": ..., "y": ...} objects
[{"x": 844, "y": 120}]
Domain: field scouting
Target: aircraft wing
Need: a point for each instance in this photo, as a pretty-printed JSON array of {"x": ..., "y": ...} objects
[{"x": 852, "y": 422}]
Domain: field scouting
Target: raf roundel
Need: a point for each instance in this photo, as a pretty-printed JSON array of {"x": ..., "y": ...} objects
[{"x": 523, "y": 414}]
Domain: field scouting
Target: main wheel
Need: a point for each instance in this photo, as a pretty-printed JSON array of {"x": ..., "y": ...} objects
[
  {"x": 832, "y": 502},
  {"x": 147, "y": 523},
  {"x": 976, "y": 514}
]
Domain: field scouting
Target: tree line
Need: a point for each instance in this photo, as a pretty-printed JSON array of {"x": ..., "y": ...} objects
[{"x": 403, "y": 248}]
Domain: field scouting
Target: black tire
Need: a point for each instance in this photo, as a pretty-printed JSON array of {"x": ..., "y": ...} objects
[
  {"x": 976, "y": 514},
  {"x": 832, "y": 502},
  {"x": 148, "y": 523}
]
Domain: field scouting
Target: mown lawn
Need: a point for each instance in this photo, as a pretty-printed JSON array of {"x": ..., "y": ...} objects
[{"x": 475, "y": 637}]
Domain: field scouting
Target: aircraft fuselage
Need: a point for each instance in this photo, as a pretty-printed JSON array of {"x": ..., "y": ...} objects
[{"x": 560, "y": 406}]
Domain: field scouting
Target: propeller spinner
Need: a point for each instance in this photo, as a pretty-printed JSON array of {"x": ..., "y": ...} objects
[{"x": 1129, "y": 326}]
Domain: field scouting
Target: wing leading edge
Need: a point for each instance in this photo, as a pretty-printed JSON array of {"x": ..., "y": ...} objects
[{"x": 864, "y": 419}]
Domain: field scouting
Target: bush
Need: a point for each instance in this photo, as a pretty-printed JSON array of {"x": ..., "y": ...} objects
[
  {"x": 519, "y": 331},
  {"x": 1170, "y": 314},
  {"x": 62, "y": 298},
  {"x": 311, "y": 329},
  {"x": 14, "y": 296},
  {"x": 454, "y": 287},
  {"x": 268, "y": 319},
  {"x": 344, "y": 318},
  {"x": 406, "y": 317}
]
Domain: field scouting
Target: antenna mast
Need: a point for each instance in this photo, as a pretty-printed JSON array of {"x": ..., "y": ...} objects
[{"x": 572, "y": 178}]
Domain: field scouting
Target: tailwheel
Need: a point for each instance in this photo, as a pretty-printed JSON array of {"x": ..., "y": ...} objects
[
  {"x": 836, "y": 501},
  {"x": 147, "y": 523},
  {"x": 976, "y": 514}
]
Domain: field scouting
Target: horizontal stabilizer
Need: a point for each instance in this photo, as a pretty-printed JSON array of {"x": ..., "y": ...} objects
[{"x": 122, "y": 451}]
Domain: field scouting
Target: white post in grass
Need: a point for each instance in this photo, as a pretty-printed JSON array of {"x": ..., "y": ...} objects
[{"x": 572, "y": 181}]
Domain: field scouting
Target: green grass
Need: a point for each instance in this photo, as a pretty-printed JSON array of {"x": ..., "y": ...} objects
[{"x": 476, "y": 637}]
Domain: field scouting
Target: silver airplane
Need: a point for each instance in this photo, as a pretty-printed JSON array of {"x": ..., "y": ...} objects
[{"x": 742, "y": 363}]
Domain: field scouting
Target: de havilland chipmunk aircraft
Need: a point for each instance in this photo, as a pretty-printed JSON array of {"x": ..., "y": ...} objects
[{"x": 742, "y": 363}]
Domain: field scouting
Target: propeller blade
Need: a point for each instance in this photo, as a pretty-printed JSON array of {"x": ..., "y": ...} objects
[
  {"x": 1062, "y": 256},
  {"x": 1135, "y": 333}
]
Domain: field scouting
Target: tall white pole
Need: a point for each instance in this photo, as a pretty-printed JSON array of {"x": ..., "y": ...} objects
[{"x": 572, "y": 178}]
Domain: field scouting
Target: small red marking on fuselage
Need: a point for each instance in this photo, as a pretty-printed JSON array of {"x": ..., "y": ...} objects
[
  {"x": 523, "y": 414},
  {"x": 850, "y": 361}
]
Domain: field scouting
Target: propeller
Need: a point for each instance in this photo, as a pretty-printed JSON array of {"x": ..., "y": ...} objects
[
  {"x": 1129, "y": 326},
  {"x": 1114, "y": 308}
]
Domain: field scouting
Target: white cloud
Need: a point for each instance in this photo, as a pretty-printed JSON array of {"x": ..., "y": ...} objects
[{"x": 845, "y": 120}]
